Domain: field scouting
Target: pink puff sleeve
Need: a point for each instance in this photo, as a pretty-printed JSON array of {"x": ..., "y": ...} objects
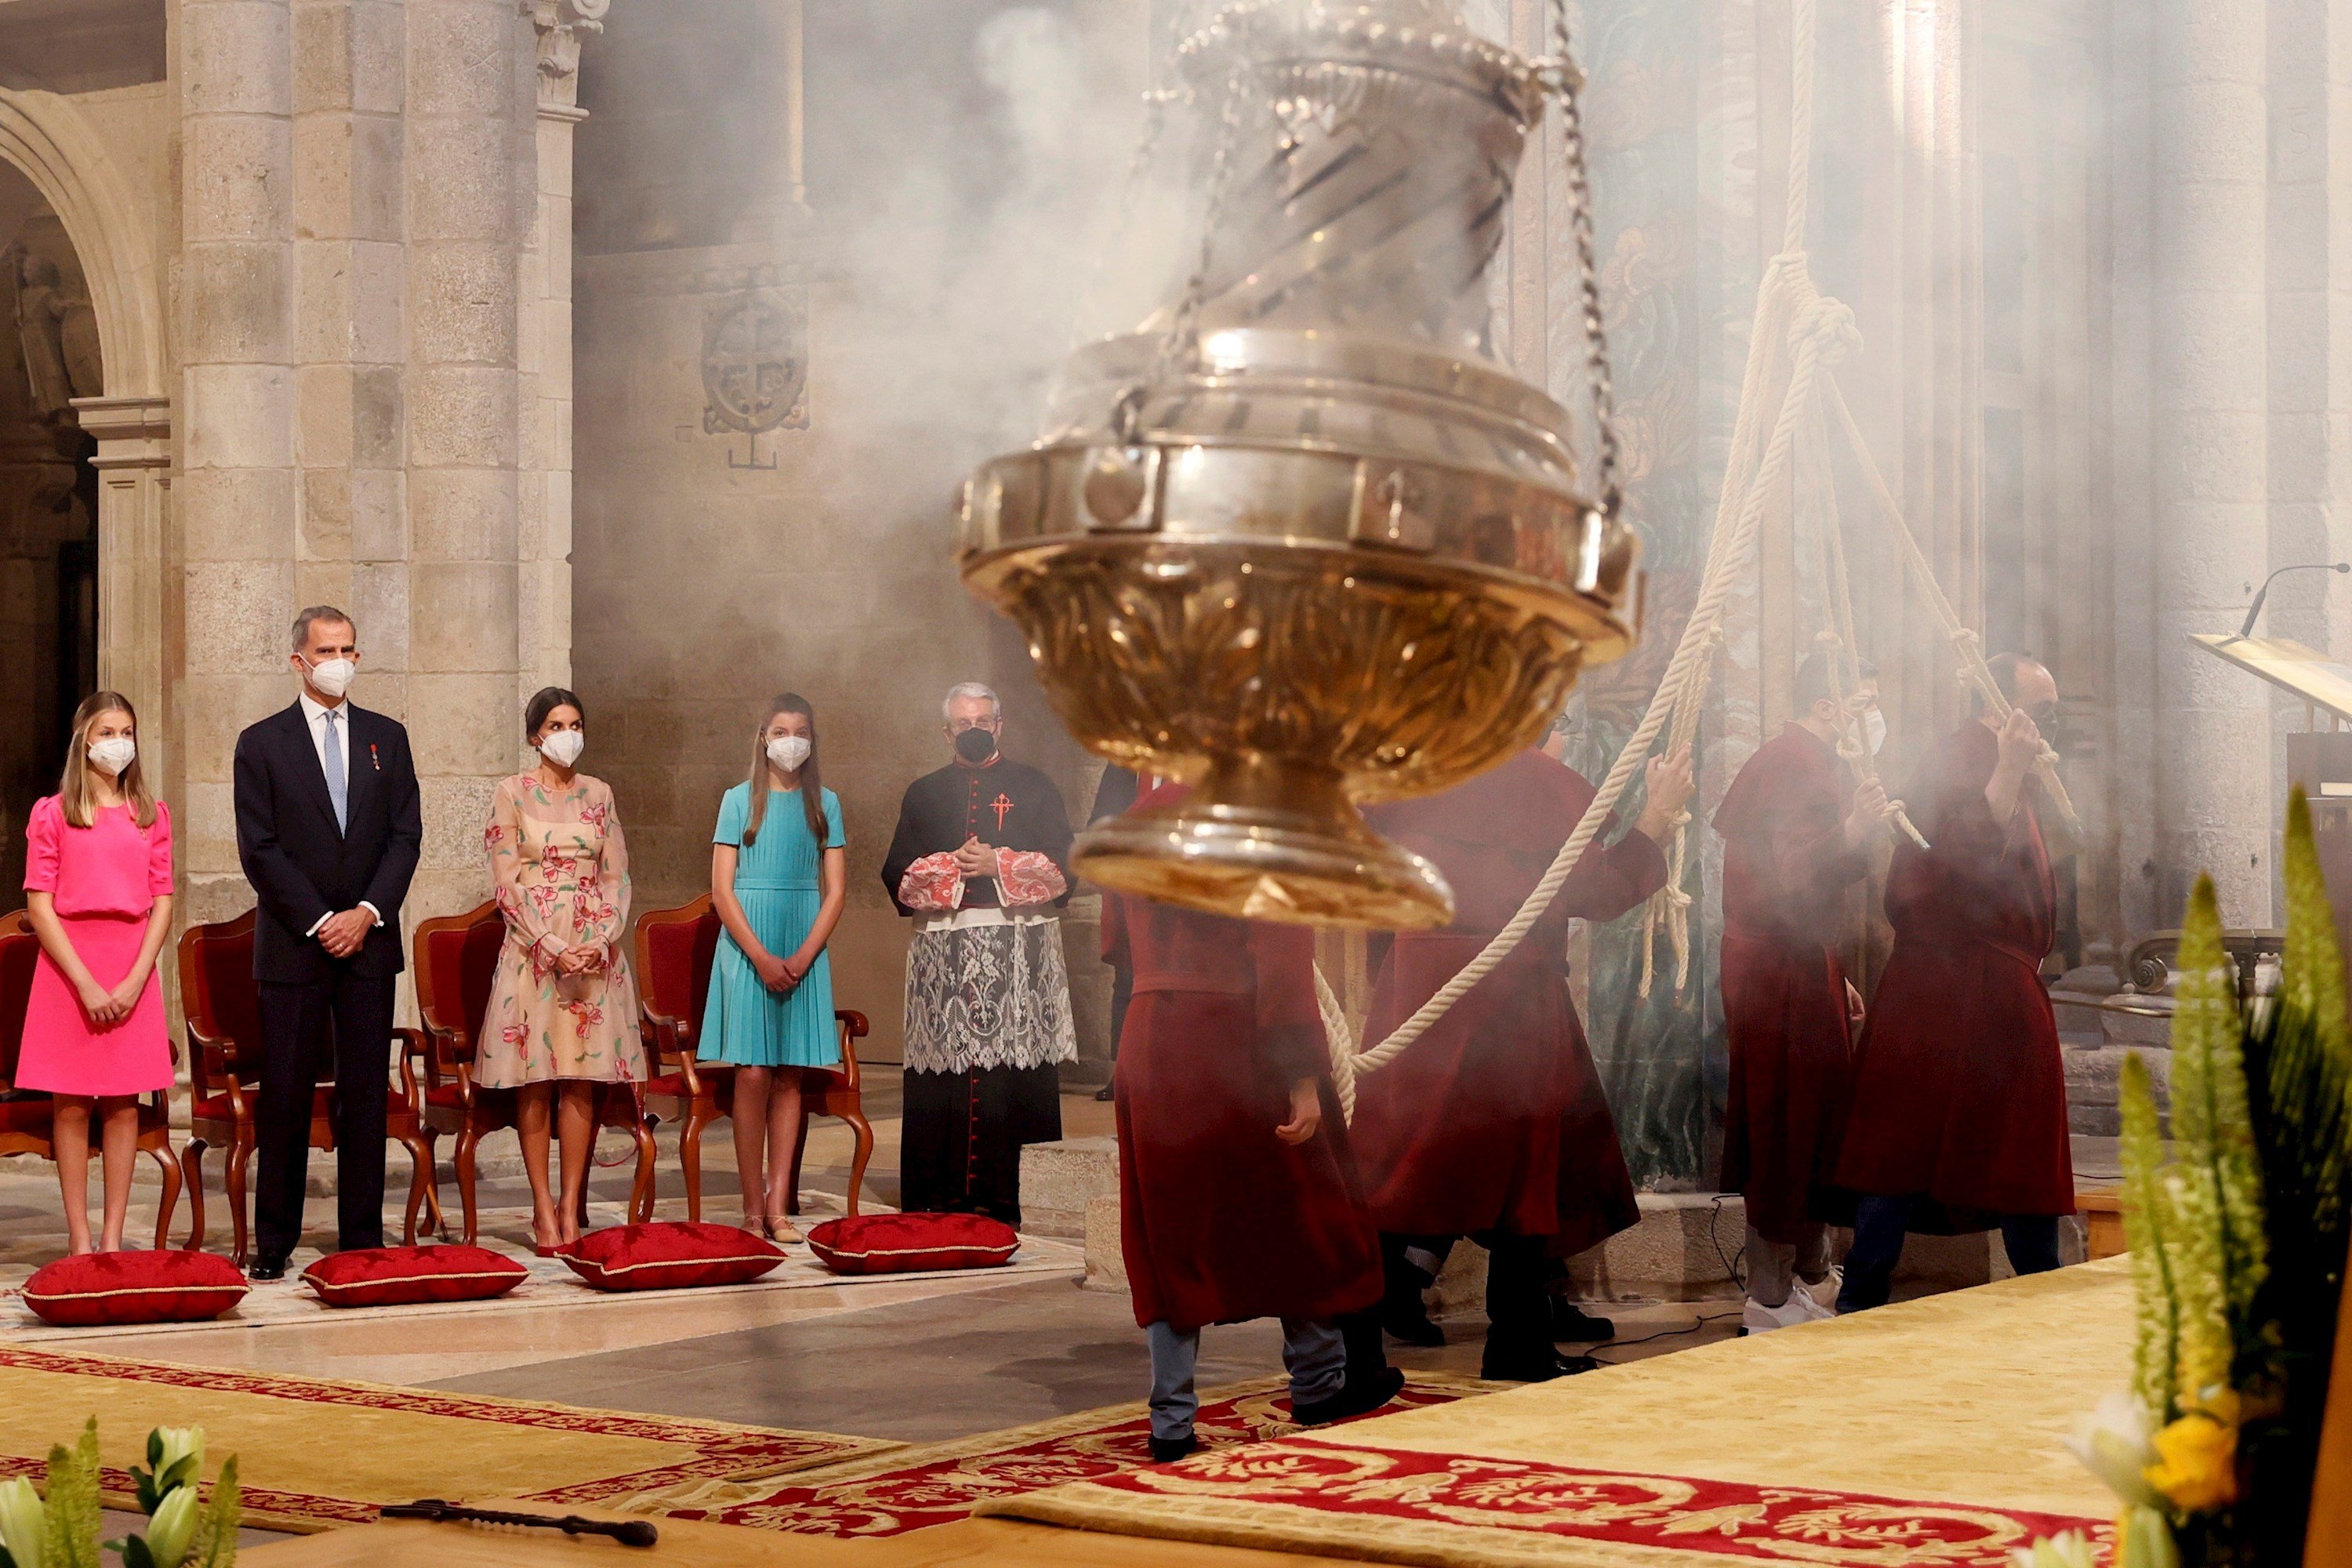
[
  {"x": 42, "y": 829},
  {"x": 159, "y": 853}
]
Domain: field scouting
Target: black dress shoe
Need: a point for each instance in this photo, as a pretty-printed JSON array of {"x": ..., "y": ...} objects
[
  {"x": 1356, "y": 1396},
  {"x": 1534, "y": 1366},
  {"x": 1408, "y": 1322},
  {"x": 1570, "y": 1322},
  {"x": 1105, "y": 1094},
  {"x": 1167, "y": 1450},
  {"x": 264, "y": 1269}
]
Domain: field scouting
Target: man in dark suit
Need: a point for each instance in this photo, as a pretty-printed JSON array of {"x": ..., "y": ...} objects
[{"x": 327, "y": 828}]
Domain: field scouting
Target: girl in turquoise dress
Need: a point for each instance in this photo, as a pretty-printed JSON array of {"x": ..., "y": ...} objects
[{"x": 779, "y": 874}]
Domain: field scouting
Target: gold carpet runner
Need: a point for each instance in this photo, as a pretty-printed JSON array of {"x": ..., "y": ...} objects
[
  {"x": 314, "y": 1454},
  {"x": 1925, "y": 1434}
]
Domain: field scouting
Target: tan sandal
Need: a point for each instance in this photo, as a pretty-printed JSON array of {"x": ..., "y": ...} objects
[{"x": 782, "y": 1231}]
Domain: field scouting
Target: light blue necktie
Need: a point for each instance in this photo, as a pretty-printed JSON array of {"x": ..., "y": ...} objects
[{"x": 336, "y": 789}]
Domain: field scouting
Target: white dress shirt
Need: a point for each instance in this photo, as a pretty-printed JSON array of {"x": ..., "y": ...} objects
[{"x": 314, "y": 714}]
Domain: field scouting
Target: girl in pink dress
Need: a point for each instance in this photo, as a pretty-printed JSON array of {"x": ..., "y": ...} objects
[{"x": 98, "y": 884}]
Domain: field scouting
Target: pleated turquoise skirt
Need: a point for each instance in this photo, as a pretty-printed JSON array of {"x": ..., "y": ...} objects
[{"x": 746, "y": 1024}]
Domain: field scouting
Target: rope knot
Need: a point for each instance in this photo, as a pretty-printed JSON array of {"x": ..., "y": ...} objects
[{"x": 1828, "y": 325}]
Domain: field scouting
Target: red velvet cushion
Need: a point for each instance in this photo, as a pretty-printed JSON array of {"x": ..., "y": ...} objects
[
  {"x": 910, "y": 1243},
  {"x": 400, "y": 1276},
  {"x": 670, "y": 1254},
  {"x": 135, "y": 1288}
]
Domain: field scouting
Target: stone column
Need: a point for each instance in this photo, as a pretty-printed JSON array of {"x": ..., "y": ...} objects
[
  {"x": 134, "y": 492},
  {"x": 2210, "y": 455},
  {"x": 543, "y": 568},
  {"x": 469, "y": 93},
  {"x": 350, "y": 226},
  {"x": 236, "y": 497}
]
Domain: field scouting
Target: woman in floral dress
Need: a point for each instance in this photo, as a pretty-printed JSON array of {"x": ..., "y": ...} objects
[{"x": 564, "y": 1011}]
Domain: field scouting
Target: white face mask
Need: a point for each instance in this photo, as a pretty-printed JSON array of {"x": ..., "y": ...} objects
[
  {"x": 114, "y": 753},
  {"x": 1873, "y": 729},
  {"x": 562, "y": 746},
  {"x": 333, "y": 676},
  {"x": 789, "y": 752}
]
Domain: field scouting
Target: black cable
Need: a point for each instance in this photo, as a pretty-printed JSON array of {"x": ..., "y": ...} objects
[
  {"x": 1736, "y": 1272},
  {"x": 1693, "y": 1327}
]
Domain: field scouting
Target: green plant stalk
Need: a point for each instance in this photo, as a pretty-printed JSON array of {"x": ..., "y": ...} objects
[{"x": 2156, "y": 1300}]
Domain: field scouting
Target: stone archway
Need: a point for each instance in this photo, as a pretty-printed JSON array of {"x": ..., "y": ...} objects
[{"x": 46, "y": 138}]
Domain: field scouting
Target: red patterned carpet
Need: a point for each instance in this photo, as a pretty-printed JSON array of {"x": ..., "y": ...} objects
[
  {"x": 1536, "y": 1504},
  {"x": 940, "y": 1483}
]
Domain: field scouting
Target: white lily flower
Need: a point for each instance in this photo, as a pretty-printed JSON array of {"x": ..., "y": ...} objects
[
  {"x": 172, "y": 1528},
  {"x": 24, "y": 1523},
  {"x": 2068, "y": 1549},
  {"x": 167, "y": 1445},
  {"x": 2114, "y": 1444}
]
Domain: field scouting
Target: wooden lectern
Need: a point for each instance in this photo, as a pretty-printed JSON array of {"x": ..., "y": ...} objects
[{"x": 2320, "y": 759}]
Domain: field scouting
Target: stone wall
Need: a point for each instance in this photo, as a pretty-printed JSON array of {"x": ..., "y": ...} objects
[{"x": 715, "y": 566}]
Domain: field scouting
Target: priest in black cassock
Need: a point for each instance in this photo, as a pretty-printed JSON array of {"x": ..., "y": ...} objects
[{"x": 982, "y": 862}]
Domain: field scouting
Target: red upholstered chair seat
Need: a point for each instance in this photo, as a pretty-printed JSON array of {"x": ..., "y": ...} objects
[
  {"x": 135, "y": 1288},
  {"x": 668, "y": 1085},
  {"x": 401, "y": 1276},
  {"x": 24, "y": 1113},
  {"x": 912, "y": 1243},
  {"x": 669, "y": 1256}
]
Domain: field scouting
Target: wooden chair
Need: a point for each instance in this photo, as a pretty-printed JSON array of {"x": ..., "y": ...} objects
[
  {"x": 222, "y": 1004},
  {"x": 455, "y": 958},
  {"x": 675, "y": 950},
  {"x": 27, "y": 1115}
]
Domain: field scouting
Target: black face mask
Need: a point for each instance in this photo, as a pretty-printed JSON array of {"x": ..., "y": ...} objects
[
  {"x": 975, "y": 745},
  {"x": 2044, "y": 716}
]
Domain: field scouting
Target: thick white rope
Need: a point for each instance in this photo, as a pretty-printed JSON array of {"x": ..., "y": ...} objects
[
  {"x": 1822, "y": 329},
  {"x": 1966, "y": 645}
]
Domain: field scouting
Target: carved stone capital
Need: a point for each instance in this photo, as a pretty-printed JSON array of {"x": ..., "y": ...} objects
[{"x": 562, "y": 25}]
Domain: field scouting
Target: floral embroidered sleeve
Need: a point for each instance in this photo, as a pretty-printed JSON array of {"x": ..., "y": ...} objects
[
  {"x": 933, "y": 884},
  {"x": 605, "y": 903},
  {"x": 1028, "y": 877},
  {"x": 524, "y": 917}
]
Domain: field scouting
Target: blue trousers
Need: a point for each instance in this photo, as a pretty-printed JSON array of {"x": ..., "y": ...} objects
[
  {"x": 1314, "y": 1353},
  {"x": 1879, "y": 1223}
]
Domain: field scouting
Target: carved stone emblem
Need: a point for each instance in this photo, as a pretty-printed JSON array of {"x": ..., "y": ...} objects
[{"x": 755, "y": 363}]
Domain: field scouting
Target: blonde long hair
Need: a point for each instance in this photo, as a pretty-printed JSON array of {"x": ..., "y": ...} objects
[{"x": 73, "y": 788}]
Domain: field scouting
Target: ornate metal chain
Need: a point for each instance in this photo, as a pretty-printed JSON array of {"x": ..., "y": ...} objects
[{"x": 1566, "y": 79}]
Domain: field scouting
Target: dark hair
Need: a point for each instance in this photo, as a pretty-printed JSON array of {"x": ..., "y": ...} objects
[
  {"x": 811, "y": 790},
  {"x": 1813, "y": 679},
  {"x": 2003, "y": 667},
  {"x": 547, "y": 701},
  {"x": 327, "y": 612}
]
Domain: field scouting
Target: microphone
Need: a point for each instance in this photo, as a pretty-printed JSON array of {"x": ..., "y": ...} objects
[{"x": 2256, "y": 607}]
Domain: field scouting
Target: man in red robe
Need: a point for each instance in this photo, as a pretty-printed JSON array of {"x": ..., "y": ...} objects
[
  {"x": 1493, "y": 1124},
  {"x": 1959, "y": 1120},
  {"x": 1237, "y": 1195},
  {"x": 1798, "y": 836}
]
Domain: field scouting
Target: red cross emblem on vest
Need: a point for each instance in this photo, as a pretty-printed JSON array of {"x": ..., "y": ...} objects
[{"x": 1000, "y": 806}]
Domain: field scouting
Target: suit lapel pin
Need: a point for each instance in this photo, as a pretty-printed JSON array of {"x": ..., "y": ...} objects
[{"x": 374, "y": 759}]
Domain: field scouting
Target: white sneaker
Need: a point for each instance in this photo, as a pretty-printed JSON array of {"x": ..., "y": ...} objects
[
  {"x": 1824, "y": 1291},
  {"x": 1800, "y": 1308}
]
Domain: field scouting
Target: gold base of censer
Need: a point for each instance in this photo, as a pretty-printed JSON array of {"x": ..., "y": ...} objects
[{"x": 1300, "y": 545}]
